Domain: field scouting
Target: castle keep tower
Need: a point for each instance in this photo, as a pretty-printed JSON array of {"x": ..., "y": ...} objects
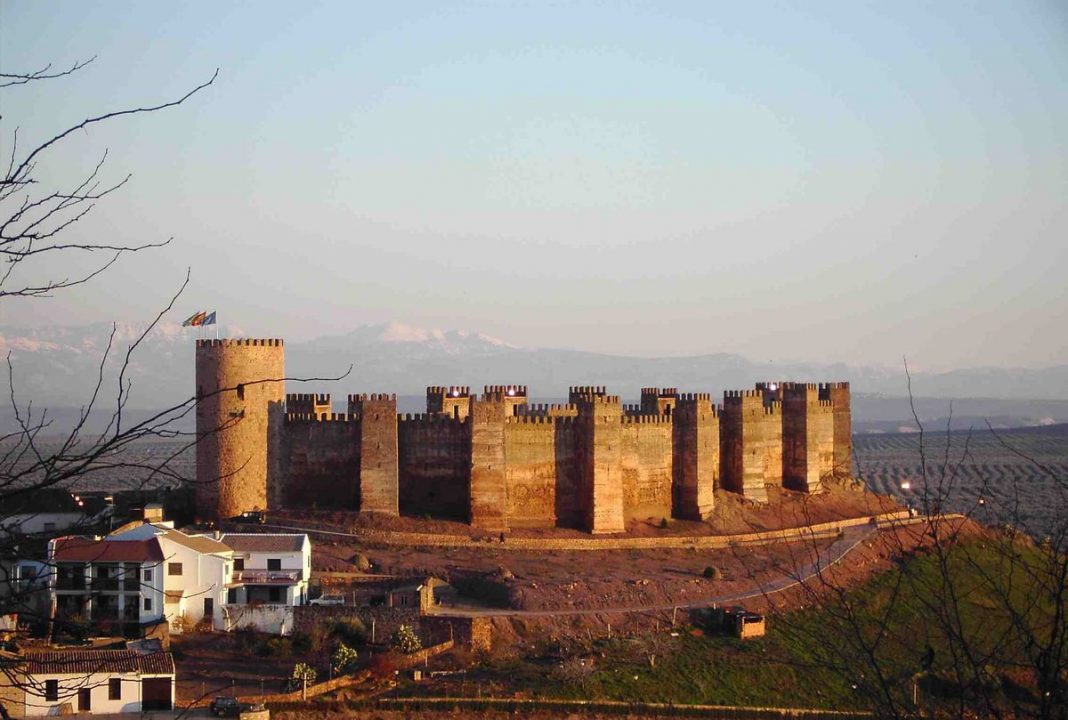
[
  {"x": 600, "y": 422},
  {"x": 838, "y": 394},
  {"x": 750, "y": 443},
  {"x": 807, "y": 437},
  {"x": 695, "y": 443},
  {"x": 379, "y": 454},
  {"x": 240, "y": 406}
]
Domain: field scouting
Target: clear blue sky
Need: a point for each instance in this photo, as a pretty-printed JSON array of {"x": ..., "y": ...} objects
[{"x": 797, "y": 181}]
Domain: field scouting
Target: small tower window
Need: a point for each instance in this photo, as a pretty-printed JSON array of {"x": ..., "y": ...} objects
[{"x": 240, "y": 392}]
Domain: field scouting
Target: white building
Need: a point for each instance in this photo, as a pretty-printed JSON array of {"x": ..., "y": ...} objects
[
  {"x": 271, "y": 573},
  {"x": 50, "y": 511},
  {"x": 147, "y": 573},
  {"x": 88, "y": 681},
  {"x": 142, "y": 573}
]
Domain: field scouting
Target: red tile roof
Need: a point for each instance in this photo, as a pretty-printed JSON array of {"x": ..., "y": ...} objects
[
  {"x": 264, "y": 542},
  {"x": 90, "y": 550},
  {"x": 88, "y": 662}
]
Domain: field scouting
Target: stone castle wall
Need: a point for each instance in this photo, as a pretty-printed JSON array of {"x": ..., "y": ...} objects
[
  {"x": 498, "y": 462},
  {"x": 239, "y": 417}
]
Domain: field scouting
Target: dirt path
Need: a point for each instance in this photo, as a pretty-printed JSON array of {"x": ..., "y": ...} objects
[{"x": 849, "y": 539}]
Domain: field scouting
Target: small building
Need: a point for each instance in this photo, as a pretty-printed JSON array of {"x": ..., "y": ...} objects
[
  {"x": 743, "y": 624},
  {"x": 47, "y": 512},
  {"x": 270, "y": 578},
  {"x": 60, "y": 682},
  {"x": 424, "y": 596}
]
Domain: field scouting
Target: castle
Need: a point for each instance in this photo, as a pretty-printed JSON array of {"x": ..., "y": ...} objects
[{"x": 497, "y": 461}]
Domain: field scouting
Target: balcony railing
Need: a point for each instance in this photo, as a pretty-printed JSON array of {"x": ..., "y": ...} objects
[
  {"x": 267, "y": 577},
  {"x": 105, "y": 584}
]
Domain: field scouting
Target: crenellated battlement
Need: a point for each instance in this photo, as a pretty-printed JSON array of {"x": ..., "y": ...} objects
[
  {"x": 494, "y": 391},
  {"x": 302, "y": 417},
  {"x": 373, "y": 397},
  {"x": 773, "y": 408},
  {"x": 694, "y": 397},
  {"x": 647, "y": 420},
  {"x": 240, "y": 342},
  {"x": 739, "y": 394},
  {"x": 429, "y": 419},
  {"x": 308, "y": 403},
  {"x": 576, "y": 392},
  {"x": 449, "y": 391},
  {"x": 545, "y": 409},
  {"x": 533, "y": 419}
]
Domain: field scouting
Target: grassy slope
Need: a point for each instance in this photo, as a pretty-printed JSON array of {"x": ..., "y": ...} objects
[{"x": 790, "y": 666}]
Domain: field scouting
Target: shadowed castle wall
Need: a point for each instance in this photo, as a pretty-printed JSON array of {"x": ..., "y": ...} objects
[
  {"x": 379, "y": 470},
  {"x": 646, "y": 464},
  {"x": 807, "y": 437},
  {"x": 321, "y": 462},
  {"x": 750, "y": 444},
  {"x": 435, "y": 466},
  {"x": 601, "y": 444},
  {"x": 838, "y": 394},
  {"x": 239, "y": 417}
]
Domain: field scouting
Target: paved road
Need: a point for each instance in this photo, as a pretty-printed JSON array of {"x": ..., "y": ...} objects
[{"x": 833, "y": 553}]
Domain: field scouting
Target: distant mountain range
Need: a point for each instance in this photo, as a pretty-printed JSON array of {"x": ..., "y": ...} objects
[{"x": 57, "y": 366}]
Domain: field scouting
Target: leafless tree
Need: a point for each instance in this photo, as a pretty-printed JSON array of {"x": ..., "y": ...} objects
[
  {"x": 36, "y": 454},
  {"x": 967, "y": 616}
]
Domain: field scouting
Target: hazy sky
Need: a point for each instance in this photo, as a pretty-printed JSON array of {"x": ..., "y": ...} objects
[{"x": 801, "y": 181}]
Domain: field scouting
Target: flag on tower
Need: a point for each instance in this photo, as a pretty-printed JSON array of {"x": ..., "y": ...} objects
[
  {"x": 209, "y": 319},
  {"x": 194, "y": 319}
]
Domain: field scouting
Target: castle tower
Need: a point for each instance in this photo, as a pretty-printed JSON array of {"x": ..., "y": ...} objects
[
  {"x": 695, "y": 445},
  {"x": 657, "y": 401},
  {"x": 807, "y": 437},
  {"x": 454, "y": 401},
  {"x": 309, "y": 404},
  {"x": 750, "y": 444},
  {"x": 512, "y": 396},
  {"x": 489, "y": 498},
  {"x": 379, "y": 456},
  {"x": 240, "y": 410},
  {"x": 600, "y": 421},
  {"x": 838, "y": 394}
]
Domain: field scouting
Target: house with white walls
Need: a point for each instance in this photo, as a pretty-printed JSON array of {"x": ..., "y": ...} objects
[
  {"x": 97, "y": 682},
  {"x": 270, "y": 578}
]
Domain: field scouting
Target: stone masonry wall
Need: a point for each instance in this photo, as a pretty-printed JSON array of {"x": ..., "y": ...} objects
[
  {"x": 435, "y": 466},
  {"x": 379, "y": 471},
  {"x": 239, "y": 417},
  {"x": 696, "y": 465},
  {"x": 530, "y": 476},
  {"x": 321, "y": 462},
  {"x": 646, "y": 460},
  {"x": 489, "y": 496}
]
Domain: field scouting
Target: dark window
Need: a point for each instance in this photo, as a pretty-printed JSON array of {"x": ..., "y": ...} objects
[
  {"x": 274, "y": 564},
  {"x": 115, "y": 689},
  {"x": 148, "y": 607},
  {"x": 274, "y": 594},
  {"x": 174, "y": 568},
  {"x": 239, "y": 564},
  {"x": 52, "y": 690},
  {"x": 231, "y": 596},
  {"x": 148, "y": 575},
  {"x": 240, "y": 392}
]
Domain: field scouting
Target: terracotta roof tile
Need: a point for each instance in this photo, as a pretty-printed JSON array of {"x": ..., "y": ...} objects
[
  {"x": 264, "y": 542},
  {"x": 89, "y": 550},
  {"x": 86, "y": 662}
]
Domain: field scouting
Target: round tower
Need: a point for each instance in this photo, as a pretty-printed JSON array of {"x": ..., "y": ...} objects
[{"x": 240, "y": 410}]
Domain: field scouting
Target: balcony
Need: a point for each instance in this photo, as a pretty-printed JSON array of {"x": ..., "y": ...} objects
[
  {"x": 74, "y": 583},
  {"x": 101, "y": 584},
  {"x": 267, "y": 577}
]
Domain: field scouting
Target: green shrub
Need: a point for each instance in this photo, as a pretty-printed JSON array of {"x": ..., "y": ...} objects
[
  {"x": 405, "y": 640},
  {"x": 351, "y": 631},
  {"x": 344, "y": 659}
]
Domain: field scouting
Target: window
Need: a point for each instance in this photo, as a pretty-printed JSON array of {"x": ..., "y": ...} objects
[
  {"x": 231, "y": 596},
  {"x": 147, "y": 575},
  {"x": 239, "y": 564},
  {"x": 240, "y": 392},
  {"x": 274, "y": 564},
  {"x": 114, "y": 688},
  {"x": 148, "y": 604},
  {"x": 51, "y": 690},
  {"x": 274, "y": 594},
  {"x": 49, "y": 526},
  {"x": 27, "y": 573},
  {"x": 174, "y": 568}
]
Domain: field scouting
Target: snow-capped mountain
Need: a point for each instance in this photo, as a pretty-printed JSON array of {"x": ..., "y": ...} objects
[{"x": 58, "y": 366}]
